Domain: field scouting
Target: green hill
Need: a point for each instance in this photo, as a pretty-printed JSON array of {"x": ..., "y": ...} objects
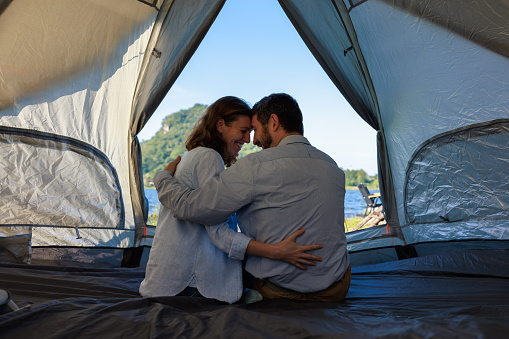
[{"x": 169, "y": 141}]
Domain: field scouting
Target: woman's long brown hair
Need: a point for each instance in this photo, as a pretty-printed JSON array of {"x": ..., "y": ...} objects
[{"x": 205, "y": 133}]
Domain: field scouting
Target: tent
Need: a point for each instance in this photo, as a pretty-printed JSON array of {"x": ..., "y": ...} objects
[
  {"x": 79, "y": 80},
  {"x": 71, "y": 183}
]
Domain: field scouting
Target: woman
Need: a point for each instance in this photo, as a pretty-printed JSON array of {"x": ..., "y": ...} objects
[{"x": 197, "y": 260}]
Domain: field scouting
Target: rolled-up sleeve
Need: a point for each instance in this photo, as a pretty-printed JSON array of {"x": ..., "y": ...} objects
[{"x": 230, "y": 242}]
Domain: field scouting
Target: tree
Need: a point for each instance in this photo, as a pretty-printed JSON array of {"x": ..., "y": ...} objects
[{"x": 355, "y": 177}]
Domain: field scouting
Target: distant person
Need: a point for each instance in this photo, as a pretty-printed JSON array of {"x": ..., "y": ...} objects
[
  {"x": 287, "y": 185},
  {"x": 183, "y": 259}
]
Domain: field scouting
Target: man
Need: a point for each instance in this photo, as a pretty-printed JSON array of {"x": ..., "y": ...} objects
[{"x": 287, "y": 186}]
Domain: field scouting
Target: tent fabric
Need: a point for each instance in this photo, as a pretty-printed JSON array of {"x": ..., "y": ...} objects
[
  {"x": 386, "y": 182},
  {"x": 69, "y": 114},
  {"x": 462, "y": 294},
  {"x": 178, "y": 30},
  {"x": 45, "y": 41},
  {"x": 428, "y": 79},
  {"x": 73, "y": 174},
  {"x": 438, "y": 190},
  {"x": 82, "y": 105},
  {"x": 414, "y": 71},
  {"x": 328, "y": 33},
  {"x": 484, "y": 23}
]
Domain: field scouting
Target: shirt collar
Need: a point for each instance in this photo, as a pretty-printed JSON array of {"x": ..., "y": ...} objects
[{"x": 293, "y": 139}]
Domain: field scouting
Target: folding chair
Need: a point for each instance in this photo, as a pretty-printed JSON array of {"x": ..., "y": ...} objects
[{"x": 372, "y": 200}]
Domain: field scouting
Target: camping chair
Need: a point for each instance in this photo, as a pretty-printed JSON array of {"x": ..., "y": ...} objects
[{"x": 372, "y": 200}]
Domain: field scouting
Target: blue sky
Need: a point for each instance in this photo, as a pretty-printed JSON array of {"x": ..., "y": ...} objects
[{"x": 253, "y": 50}]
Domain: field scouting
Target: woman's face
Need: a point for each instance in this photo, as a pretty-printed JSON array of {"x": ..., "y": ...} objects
[{"x": 236, "y": 135}]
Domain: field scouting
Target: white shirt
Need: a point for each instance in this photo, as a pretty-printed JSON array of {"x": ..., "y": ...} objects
[
  {"x": 276, "y": 192},
  {"x": 183, "y": 253}
]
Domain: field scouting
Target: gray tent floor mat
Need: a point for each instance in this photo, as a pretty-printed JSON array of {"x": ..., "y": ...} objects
[{"x": 459, "y": 294}]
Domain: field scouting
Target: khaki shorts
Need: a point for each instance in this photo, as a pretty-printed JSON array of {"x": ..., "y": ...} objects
[{"x": 334, "y": 293}]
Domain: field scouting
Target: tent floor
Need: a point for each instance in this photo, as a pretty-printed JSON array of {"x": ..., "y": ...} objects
[{"x": 445, "y": 296}]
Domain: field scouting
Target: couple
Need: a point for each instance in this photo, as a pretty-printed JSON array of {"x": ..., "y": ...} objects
[{"x": 273, "y": 194}]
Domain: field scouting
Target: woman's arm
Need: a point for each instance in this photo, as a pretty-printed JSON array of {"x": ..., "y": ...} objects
[
  {"x": 287, "y": 250},
  {"x": 224, "y": 238},
  {"x": 229, "y": 241}
]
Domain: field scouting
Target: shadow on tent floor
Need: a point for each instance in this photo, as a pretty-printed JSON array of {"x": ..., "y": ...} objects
[{"x": 452, "y": 295}]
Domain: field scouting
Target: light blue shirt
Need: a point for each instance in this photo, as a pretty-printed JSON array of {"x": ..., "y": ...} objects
[
  {"x": 276, "y": 192},
  {"x": 183, "y": 253}
]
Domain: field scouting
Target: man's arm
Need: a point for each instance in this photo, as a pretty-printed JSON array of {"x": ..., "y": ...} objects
[
  {"x": 228, "y": 240},
  {"x": 287, "y": 250},
  {"x": 210, "y": 204}
]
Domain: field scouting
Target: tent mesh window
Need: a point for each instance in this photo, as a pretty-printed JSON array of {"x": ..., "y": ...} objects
[
  {"x": 460, "y": 175},
  {"x": 49, "y": 180}
]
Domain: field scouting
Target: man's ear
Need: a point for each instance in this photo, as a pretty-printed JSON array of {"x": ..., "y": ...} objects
[
  {"x": 274, "y": 122},
  {"x": 219, "y": 125}
]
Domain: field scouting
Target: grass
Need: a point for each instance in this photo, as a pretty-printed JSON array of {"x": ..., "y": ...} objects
[
  {"x": 351, "y": 223},
  {"x": 370, "y": 187},
  {"x": 152, "y": 217}
]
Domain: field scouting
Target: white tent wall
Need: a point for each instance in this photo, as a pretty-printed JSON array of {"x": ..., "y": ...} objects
[
  {"x": 64, "y": 174},
  {"x": 431, "y": 81},
  {"x": 71, "y": 190},
  {"x": 46, "y": 41},
  {"x": 428, "y": 80}
]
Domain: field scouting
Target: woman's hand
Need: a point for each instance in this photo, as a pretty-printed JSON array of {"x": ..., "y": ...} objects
[
  {"x": 172, "y": 166},
  {"x": 289, "y": 251}
]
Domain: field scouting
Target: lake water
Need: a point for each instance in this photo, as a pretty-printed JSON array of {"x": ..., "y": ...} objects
[{"x": 354, "y": 203}]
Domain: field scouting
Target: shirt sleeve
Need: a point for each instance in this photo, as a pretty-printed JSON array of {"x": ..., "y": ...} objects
[
  {"x": 229, "y": 241},
  {"x": 211, "y": 203},
  {"x": 233, "y": 243}
]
